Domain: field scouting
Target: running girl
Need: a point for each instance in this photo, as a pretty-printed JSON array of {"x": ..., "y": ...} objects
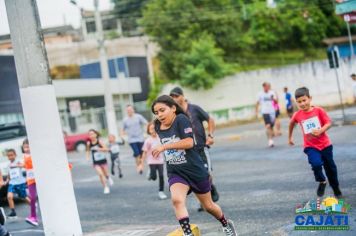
[
  {"x": 186, "y": 171},
  {"x": 31, "y": 183},
  {"x": 98, "y": 150},
  {"x": 155, "y": 164}
]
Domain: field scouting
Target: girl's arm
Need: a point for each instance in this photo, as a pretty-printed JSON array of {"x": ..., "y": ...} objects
[
  {"x": 87, "y": 152},
  {"x": 103, "y": 148},
  {"x": 186, "y": 143}
]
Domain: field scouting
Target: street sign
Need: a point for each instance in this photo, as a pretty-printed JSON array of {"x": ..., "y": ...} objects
[
  {"x": 350, "y": 17},
  {"x": 345, "y": 6},
  {"x": 74, "y": 108}
]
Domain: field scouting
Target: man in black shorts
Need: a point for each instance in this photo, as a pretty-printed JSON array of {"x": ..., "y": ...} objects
[
  {"x": 264, "y": 104},
  {"x": 202, "y": 141}
]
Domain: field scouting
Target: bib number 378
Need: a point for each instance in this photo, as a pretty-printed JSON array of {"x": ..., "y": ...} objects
[{"x": 311, "y": 124}]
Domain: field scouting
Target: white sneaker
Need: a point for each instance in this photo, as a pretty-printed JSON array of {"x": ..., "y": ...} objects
[
  {"x": 106, "y": 190},
  {"x": 111, "y": 182},
  {"x": 230, "y": 230},
  {"x": 270, "y": 143},
  {"x": 162, "y": 195}
]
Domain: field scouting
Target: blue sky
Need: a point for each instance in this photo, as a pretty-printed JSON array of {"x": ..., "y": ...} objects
[{"x": 55, "y": 12}]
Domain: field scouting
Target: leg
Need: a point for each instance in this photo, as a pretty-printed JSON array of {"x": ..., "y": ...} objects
[
  {"x": 161, "y": 177},
  {"x": 153, "y": 172},
  {"x": 105, "y": 170},
  {"x": 112, "y": 164},
  {"x": 208, "y": 204},
  {"x": 118, "y": 164},
  {"x": 316, "y": 162},
  {"x": 179, "y": 193},
  {"x": 101, "y": 175},
  {"x": 33, "y": 197},
  {"x": 330, "y": 166},
  {"x": 10, "y": 200}
]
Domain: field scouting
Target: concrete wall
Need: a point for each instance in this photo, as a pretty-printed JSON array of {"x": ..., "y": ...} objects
[{"x": 234, "y": 97}]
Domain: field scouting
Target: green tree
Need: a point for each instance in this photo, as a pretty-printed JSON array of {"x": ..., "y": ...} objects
[
  {"x": 203, "y": 64},
  {"x": 175, "y": 25}
]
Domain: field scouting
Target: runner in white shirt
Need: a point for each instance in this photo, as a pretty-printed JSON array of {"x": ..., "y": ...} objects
[{"x": 265, "y": 101}]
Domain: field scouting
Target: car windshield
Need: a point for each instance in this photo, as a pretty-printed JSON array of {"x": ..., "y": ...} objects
[{"x": 7, "y": 133}]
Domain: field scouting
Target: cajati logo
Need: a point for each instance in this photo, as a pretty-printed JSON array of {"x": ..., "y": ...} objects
[{"x": 327, "y": 214}]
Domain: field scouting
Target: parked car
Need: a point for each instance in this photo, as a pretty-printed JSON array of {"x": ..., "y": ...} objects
[{"x": 76, "y": 142}]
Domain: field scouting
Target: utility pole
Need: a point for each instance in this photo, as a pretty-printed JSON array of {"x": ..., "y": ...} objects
[
  {"x": 54, "y": 183},
  {"x": 350, "y": 41},
  {"x": 109, "y": 103},
  {"x": 334, "y": 59}
]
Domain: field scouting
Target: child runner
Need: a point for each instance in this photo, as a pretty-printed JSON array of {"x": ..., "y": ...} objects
[
  {"x": 17, "y": 182},
  {"x": 31, "y": 183},
  {"x": 186, "y": 171},
  {"x": 289, "y": 102},
  {"x": 155, "y": 164},
  {"x": 97, "y": 150},
  {"x": 314, "y": 122},
  {"x": 114, "y": 155}
]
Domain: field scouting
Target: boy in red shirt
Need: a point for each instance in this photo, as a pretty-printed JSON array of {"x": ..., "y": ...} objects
[{"x": 314, "y": 123}]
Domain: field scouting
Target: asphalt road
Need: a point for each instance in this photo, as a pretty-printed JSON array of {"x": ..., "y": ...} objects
[{"x": 259, "y": 188}]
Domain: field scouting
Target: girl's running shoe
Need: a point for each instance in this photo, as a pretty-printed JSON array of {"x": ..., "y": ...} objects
[{"x": 32, "y": 221}]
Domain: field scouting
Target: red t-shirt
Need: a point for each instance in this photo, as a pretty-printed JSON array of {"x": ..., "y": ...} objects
[{"x": 314, "y": 119}]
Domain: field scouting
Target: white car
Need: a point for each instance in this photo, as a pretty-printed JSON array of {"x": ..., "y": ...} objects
[{"x": 11, "y": 137}]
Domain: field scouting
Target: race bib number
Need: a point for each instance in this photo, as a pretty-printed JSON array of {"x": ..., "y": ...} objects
[
  {"x": 175, "y": 157},
  {"x": 30, "y": 174},
  {"x": 99, "y": 156},
  {"x": 115, "y": 149},
  {"x": 311, "y": 124},
  {"x": 14, "y": 173}
]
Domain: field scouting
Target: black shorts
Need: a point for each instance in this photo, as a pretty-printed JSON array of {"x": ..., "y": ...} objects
[
  {"x": 268, "y": 119},
  {"x": 136, "y": 148},
  {"x": 278, "y": 113},
  {"x": 290, "y": 110}
]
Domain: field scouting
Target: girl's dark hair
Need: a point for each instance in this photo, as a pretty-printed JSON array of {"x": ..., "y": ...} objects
[
  {"x": 96, "y": 132},
  {"x": 168, "y": 100},
  {"x": 25, "y": 141},
  {"x": 300, "y": 92}
]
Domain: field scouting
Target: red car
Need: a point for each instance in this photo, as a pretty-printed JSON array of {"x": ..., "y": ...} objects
[{"x": 76, "y": 142}]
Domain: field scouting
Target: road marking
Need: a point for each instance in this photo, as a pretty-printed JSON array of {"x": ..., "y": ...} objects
[
  {"x": 140, "y": 232},
  {"x": 27, "y": 230}
]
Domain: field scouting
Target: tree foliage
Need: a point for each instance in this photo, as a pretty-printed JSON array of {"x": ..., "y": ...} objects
[{"x": 200, "y": 39}]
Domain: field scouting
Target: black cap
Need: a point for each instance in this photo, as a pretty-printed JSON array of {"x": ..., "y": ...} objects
[{"x": 176, "y": 91}]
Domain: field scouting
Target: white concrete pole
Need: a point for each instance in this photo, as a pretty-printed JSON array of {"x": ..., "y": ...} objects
[
  {"x": 54, "y": 184},
  {"x": 109, "y": 103}
]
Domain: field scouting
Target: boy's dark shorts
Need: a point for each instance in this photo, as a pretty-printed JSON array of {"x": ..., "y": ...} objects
[
  {"x": 19, "y": 189},
  {"x": 268, "y": 120},
  {"x": 136, "y": 148},
  {"x": 199, "y": 188}
]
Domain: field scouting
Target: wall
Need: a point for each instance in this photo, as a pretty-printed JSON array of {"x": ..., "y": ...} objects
[{"x": 234, "y": 97}]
